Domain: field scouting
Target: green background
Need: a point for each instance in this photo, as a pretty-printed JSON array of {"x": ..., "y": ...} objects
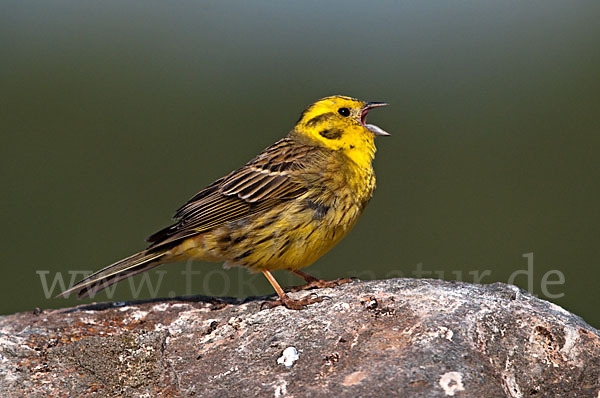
[{"x": 114, "y": 113}]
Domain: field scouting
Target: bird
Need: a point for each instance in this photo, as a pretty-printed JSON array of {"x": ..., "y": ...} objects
[{"x": 282, "y": 210}]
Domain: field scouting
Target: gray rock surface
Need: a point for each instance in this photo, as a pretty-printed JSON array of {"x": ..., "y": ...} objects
[{"x": 398, "y": 337}]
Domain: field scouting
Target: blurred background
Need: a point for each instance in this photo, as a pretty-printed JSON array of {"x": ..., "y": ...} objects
[{"x": 114, "y": 113}]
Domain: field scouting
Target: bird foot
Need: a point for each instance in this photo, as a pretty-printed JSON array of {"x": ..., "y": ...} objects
[
  {"x": 292, "y": 304},
  {"x": 319, "y": 283}
]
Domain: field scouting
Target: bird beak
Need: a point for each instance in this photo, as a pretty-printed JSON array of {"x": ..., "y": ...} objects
[{"x": 376, "y": 130}]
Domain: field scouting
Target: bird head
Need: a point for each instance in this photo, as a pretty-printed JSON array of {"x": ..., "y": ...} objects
[{"x": 339, "y": 123}]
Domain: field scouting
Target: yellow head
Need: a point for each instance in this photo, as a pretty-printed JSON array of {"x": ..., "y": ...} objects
[{"x": 338, "y": 123}]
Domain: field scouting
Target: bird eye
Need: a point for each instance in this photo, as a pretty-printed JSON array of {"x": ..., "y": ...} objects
[{"x": 344, "y": 111}]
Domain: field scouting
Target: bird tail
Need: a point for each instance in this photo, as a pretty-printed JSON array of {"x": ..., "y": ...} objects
[{"x": 116, "y": 272}]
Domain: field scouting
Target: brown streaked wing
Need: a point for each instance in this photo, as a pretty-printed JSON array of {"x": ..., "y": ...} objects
[{"x": 262, "y": 183}]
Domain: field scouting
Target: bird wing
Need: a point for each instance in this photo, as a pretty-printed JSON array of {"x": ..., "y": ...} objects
[{"x": 262, "y": 183}]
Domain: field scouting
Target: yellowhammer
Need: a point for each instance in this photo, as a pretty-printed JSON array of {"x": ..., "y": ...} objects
[{"x": 282, "y": 210}]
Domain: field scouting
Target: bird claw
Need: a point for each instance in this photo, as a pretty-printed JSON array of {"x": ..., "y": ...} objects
[{"x": 292, "y": 304}]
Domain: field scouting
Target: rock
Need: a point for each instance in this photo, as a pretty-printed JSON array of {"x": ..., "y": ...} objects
[{"x": 397, "y": 337}]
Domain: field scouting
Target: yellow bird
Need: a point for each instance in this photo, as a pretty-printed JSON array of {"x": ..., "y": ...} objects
[{"x": 280, "y": 211}]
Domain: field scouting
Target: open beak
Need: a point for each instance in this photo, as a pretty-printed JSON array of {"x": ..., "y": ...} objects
[{"x": 378, "y": 131}]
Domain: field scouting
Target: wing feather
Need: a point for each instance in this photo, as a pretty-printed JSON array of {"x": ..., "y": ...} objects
[{"x": 262, "y": 183}]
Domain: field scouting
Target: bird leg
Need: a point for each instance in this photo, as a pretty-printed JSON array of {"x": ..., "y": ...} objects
[
  {"x": 284, "y": 299},
  {"x": 312, "y": 282}
]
